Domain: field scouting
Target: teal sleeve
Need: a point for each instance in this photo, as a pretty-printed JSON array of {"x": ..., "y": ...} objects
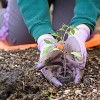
[
  {"x": 36, "y": 16},
  {"x": 86, "y": 12}
]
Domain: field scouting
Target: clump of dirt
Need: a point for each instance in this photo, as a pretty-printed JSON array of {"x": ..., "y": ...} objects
[{"x": 20, "y": 80}]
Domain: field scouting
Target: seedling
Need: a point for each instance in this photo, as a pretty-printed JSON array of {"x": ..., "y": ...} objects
[
  {"x": 46, "y": 94},
  {"x": 60, "y": 39}
]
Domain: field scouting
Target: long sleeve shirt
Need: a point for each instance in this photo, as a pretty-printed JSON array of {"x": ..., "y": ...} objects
[
  {"x": 36, "y": 15},
  {"x": 86, "y": 12}
]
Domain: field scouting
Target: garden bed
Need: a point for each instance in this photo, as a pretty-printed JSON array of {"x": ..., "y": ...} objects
[{"x": 20, "y": 80}]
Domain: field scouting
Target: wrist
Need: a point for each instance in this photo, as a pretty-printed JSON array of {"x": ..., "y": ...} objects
[
  {"x": 83, "y": 26},
  {"x": 45, "y": 36}
]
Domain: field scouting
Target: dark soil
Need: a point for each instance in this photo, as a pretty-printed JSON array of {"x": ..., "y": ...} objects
[{"x": 19, "y": 79}]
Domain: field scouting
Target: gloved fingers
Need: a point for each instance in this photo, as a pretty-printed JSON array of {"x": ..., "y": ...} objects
[
  {"x": 77, "y": 70},
  {"x": 50, "y": 76},
  {"x": 49, "y": 59},
  {"x": 73, "y": 69},
  {"x": 79, "y": 75}
]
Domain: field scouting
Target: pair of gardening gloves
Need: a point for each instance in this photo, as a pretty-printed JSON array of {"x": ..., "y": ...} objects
[{"x": 51, "y": 62}]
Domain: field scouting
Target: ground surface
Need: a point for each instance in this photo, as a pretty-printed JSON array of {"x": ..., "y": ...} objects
[{"x": 19, "y": 79}]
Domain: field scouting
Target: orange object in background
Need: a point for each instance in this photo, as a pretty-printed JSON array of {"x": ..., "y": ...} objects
[
  {"x": 4, "y": 46},
  {"x": 94, "y": 41}
]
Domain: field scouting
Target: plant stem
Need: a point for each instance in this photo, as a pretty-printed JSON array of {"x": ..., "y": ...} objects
[
  {"x": 64, "y": 62},
  {"x": 65, "y": 33}
]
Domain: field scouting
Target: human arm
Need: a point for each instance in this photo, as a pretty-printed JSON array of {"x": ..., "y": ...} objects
[
  {"x": 36, "y": 16},
  {"x": 86, "y": 12}
]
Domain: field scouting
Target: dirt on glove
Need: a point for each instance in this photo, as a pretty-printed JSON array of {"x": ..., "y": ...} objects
[{"x": 20, "y": 80}]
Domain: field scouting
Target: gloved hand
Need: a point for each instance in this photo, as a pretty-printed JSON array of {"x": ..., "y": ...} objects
[
  {"x": 76, "y": 43},
  {"x": 50, "y": 60}
]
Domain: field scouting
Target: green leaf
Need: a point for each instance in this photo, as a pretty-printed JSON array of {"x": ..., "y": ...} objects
[
  {"x": 57, "y": 35},
  {"x": 76, "y": 54},
  {"x": 64, "y": 26},
  {"x": 47, "y": 49},
  {"x": 72, "y": 31},
  {"x": 48, "y": 42}
]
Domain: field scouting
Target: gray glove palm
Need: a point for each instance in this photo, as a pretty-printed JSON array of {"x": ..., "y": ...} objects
[
  {"x": 50, "y": 65},
  {"x": 75, "y": 64}
]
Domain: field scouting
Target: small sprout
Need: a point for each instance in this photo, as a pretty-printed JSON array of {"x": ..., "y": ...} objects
[
  {"x": 47, "y": 94},
  {"x": 76, "y": 54},
  {"x": 59, "y": 42},
  {"x": 64, "y": 26}
]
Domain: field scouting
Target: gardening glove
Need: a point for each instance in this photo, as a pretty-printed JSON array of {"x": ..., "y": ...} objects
[
  {"x": 49, "y": 61},
  {"x": 75, "y": 45}
]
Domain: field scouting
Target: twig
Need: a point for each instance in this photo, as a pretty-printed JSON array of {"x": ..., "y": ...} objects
[{"x": 64, "y": 62}]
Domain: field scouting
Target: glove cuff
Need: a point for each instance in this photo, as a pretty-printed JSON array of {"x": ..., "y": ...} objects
[{"x": 81, "y": 34}]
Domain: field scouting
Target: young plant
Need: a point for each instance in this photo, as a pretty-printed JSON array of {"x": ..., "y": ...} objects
[{"x": 60, "y": 39}]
